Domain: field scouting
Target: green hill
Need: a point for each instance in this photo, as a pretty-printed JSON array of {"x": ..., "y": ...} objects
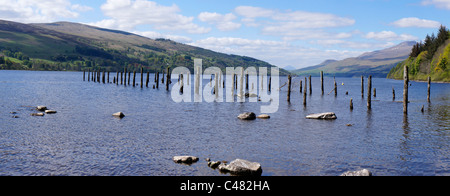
[
  {"x": 78, "y": 47},
  {"x": 429, "y": 59}
]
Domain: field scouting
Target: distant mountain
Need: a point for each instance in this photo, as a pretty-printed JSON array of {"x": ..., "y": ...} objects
[
  {"x": 289, "y": 68},
  {"x": 430, "y": 58},
  {"x": 73, "y": 46},
  {"x": 376, "y": 63}
]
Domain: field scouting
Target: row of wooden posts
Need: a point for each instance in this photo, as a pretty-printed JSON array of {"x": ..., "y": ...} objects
[
  {"x": 98, "y": 76},
  {"x": 369, "y": 90},
  {"x": 104, "y": 77}
]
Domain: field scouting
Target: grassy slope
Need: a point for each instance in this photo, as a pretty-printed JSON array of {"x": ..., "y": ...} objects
[
  {"x": 45, "y": 41},
  {"x": 421, "y": 68}
]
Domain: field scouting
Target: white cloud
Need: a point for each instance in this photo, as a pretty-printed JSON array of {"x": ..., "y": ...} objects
[
  {"x": 443, "y": 4},
  {"x": 223, "y": 22},
  {"x": 416, "y": 22},
  {"x": 389, "y": 36},
  {"x": 254, "y": 12},
  {"x": 35, "y": 11},
  {"x": 128, "y": 14},
  {"x": 293, "y": 25}
]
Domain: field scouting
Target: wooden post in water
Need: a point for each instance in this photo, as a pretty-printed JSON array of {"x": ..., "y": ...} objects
[
  {"x": 125, "y": 75},
  {"x": 321, "y": 81},
  {"x": 148, "y": 79},
  {"x": 310, "y": 85},
  {"x": 369, "y": 93},
  {"x": 93, "y": 75},
  {"x": 89, "y": 75},
  {"x": 405, "y": 89},
  {"x": 301, "y": 86},
  {"x": 162, "y": 79},
  {"x": 270, "y": 84},
  {"x": 362, "y": 86},
  {"x": 103, "y": 77},
  {"x": 142, "y": 77},
  {"x": 134, "y": 78},
  {"x": 374, "y": 92},
  {"x": 108, "y": 77},
  {"x": 304, "y": 92},
  {"x": 246, "y": 81},
  {"x": 121, "y": 78},
  {"x": 197, "y": 82},
  {"x": 393, "y": 94},
  {"x": 168, "y": 79},
  {"x": 216, "y": 85},
  {"x": 289, "y": 88},
  {"x": 157, "y": 79},
  {"x": 351, "y": 104},
  {"x": 232, "y": 86},
  {"x": 84, "y": 75},
  {"x": 429, "y": 90},
  {"x": 335, "y": 87},
  {"x": 129, "y": 77},
  {"x": 182, "y": 84},
  {"x": 117, "y": 78}
]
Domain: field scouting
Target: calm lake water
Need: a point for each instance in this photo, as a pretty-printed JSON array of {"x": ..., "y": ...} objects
[{"x": 84, "y": 139}]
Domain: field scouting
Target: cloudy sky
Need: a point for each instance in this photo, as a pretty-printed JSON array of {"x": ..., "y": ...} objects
[{"x": 297, "y": 33}]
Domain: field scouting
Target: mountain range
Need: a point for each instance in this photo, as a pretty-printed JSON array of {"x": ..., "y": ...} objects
[
  {"x": 78, "y": 47},
  {"x": 376, "y": 63}
]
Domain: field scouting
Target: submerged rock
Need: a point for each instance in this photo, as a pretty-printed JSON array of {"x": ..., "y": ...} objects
[
  {"x": 241, "y": 167},
  {"x": 247, "y": 116},
  {"x": 185, "y": 159},
  {"x": 41, "y": 108},
  {"x": 363, "y": 172},
  {"x": 326, "y": 116},
  {"x": 263, "y": 116},
  {"x": 37, "y": 114},
  {"x": 119, "y": 115},
  {"x": 50, "y": 111}
]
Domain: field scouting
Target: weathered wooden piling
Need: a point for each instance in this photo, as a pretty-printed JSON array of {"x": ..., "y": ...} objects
[
  {"x": 168, "y": 79},
  {"x": 374, "y": 92},
  {"x": 104, "y": 77},
  {"x": 216, "y": 85},
  {"x": 121, "y": 78},
  {"x": 429, "y": 90},
  {"x": 125, "y": 76},
  {"x": 129, "y": 77},
  {"x": 157, "y": 80},
  {"x": 335, "y": 87},
  {"x": 270, "y": 84},
  {"x": 351, "y": 104},
  {"x": 114, "y": 80},
  {"x": 393, "y": 94},
  {"x": 310, "y": 85},
  {"x": 84, "y": 75},
  {"x": 304, "y": 92},
  {"x": 289, "y": 89},
  {"x": 182, "y": 84},
  {"x": 108, "y": 77},
  {"x": 117, "y": 78},
  {"x": 142, "y": 77},
  {"x": 301, "y": 86},
  {"x": 321, "y": 81},
  {"x": 148, "y": 79},
  {"x": 369, "y": 93},
  {"x": 93, "y": 76},
  {"x": 89, "y": 75},
  {"x": 241, "y": 84},
  {"x": 246, "y": 81},
  {"x": 134, "y": 78},
  {"x": 197, "y": 82},
  {"x": 362, "y": 86},
  {"x": 162, "y": 79},
  {"x": 405, "y": 89}
]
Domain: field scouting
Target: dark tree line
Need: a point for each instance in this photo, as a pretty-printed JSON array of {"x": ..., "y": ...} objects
[{"x": 431, "y": 43}]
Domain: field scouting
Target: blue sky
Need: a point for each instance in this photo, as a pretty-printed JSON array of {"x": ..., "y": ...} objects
[{"x": 297, "y": 33}]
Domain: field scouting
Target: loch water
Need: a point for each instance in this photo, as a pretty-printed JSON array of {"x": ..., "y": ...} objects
[{"x": 83, "y": 138}]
